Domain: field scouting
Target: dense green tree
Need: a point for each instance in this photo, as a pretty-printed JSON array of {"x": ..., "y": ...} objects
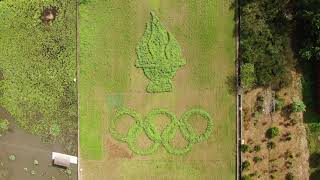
[
  {"x": 264, "y": 40},
  {"x": 308, "y": 29}
]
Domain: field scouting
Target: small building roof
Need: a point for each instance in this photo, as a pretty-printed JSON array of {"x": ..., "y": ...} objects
[{"x": 63, "y": 159}]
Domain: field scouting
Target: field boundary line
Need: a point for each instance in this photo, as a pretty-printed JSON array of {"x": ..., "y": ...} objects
[
  {"x": 78, "y": 80},
  {"x": 239, "y": 92}
]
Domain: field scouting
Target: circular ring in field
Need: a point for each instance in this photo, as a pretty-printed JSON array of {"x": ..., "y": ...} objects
[
  {"x": 167, "y": 136},
  {"x": 133, "y": 134},
  {"x": 189, "y": 132},
  {"x": 115, "y": 120},
  {"x": 150, "y": 128}
]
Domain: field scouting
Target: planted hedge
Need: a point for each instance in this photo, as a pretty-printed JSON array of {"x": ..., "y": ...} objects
[
  {"x": 146, "y": 125},
  {"x": 159, "y": 55}
]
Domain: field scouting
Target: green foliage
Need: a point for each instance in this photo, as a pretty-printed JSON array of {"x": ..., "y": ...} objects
[
  {"x": 279, "y": 104},
  {"x": 272, "y": 132},
  {"x": 257, "y": 148},
  {"x": 245, "y": 165},
  {"x": 159, "y": 55},
  {"x": 244, "y": 148},
  {"x": 264, "y": 40},
  {"x": 257, "y": 159},
  {"x": 271, "y": 145},
  {"x": 308, "y": 28},
  {"x": 55, "y": 130},
  {"x": 298, "y": 106},
  {"x": 146, "y": 125},
  {"x": 246, "y": 177},
  {"x": 248, "y": 76},
  {"x": 39, "y": 65},
  {"x": 4, "y": 125}
]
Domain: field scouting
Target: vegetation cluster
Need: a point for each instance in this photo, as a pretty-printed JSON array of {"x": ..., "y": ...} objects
[
  {"x": 159, "y": 55},
  {"x": 38, "y": 62},
  {"x": 146, "y": 125}
]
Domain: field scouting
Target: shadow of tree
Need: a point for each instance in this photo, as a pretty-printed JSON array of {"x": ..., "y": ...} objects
[
  {"x": 231, "y": 82},
  {"x": 315, "y": 175},
  {"x": 314, "y": 160}
]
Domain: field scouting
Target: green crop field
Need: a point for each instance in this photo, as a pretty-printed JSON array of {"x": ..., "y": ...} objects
[
  {"x": 38, "y": 68},
  {"x": 156, "y": 89}
]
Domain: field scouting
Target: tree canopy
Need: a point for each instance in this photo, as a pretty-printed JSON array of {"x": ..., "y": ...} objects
[
  {"x": 308, "y": 29},
  {"x": 265, "y": 40}
]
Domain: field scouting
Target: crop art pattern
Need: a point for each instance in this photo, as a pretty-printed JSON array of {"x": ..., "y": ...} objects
[
  {"x": 159, "y": 55},
  {"x": 146, "y": 125}
]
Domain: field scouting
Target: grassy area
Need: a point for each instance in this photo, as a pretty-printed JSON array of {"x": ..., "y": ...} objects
[
  {"x": 109, "y": 34},
  {"x": 38, "y": 60}
]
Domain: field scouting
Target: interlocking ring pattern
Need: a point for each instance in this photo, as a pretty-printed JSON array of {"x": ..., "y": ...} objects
[{"x": 146, "y": 125}]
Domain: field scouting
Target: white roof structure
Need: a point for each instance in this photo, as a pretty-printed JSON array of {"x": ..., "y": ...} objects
[{"x": 63, "y": 159}]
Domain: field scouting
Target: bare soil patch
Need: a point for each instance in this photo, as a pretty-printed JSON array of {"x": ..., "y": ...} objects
[{"x": 290, "y": 155}]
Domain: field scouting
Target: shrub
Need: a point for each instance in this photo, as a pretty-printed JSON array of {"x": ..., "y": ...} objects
[
  {"x": 245, "y": 177},
  {"x": 279, "y": 104},
  {"x": 272, "y": 132},
  {"x": 248, "y": 77},
  {"x": 289, "y": 176},
  {"x": 257, "y": 159},
  {"x": 244, "y": 148},
  {"x": 298, "y": 106},
  {"x": 257, "y": 148},
  {"x": 271, "y": 145},
  {"x": 4, "y": 126},
  {"x": 245, "y": 165}
]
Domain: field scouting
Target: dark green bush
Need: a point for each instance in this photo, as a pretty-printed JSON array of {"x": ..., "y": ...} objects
[
  {"x": 257, "y": 148},
  {"x": 245, "y": 165},
  {"x": 244, "y": 148},
  {"x": 272, "y": 132}
]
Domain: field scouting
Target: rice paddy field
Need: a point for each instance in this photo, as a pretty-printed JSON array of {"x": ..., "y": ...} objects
[{"x": 140, "y": 122}]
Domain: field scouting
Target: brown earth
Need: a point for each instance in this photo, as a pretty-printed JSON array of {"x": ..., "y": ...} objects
[{"x": 288, "y": 156}]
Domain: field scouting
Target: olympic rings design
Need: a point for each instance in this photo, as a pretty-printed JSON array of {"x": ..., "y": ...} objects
[{"x": 147, "y": 126}]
